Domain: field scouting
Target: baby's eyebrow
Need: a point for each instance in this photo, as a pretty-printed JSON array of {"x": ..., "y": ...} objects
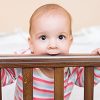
[
  {"x": 40, "y": 33},
  {"x": 65, "y": 33}
]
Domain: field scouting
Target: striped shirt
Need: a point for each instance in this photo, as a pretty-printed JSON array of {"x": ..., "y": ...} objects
[{"x": 44, "y": 86}]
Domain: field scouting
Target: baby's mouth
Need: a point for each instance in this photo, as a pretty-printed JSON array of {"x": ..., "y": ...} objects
[{"x": 53, "y": 54}]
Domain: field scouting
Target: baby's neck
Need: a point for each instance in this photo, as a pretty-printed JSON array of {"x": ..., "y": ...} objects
[{"x": 48, "y": 72}]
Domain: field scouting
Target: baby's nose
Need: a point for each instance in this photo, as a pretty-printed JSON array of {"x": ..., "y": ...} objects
[{"x": 52, "y": 44}]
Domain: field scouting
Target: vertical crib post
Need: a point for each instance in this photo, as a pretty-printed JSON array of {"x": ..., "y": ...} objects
[
  {"x": 59, "y": 84},
  {"x": 88, "y": 83},
  {"x": 27, "y": 83},
  {"x": 0, "y": 86}
]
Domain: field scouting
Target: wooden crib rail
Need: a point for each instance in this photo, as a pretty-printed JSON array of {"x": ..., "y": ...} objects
[{"x": 28, "y": 62}]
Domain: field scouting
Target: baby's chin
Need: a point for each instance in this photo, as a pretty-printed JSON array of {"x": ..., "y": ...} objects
[
  {"x": 53, "y": 54},
  {"x": 61, "y": 54},
  {"x": 49, "y": 54},
  {"x": 46, "y": 54}
]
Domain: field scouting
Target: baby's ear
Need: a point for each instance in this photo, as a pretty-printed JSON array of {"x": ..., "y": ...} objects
[
  {"x": 29, "y": 41},
  {"x": 30, "y": 44},
  {"x": 70, "y": 40}
]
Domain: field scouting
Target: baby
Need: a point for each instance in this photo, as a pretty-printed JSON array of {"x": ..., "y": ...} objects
[{"x": 50, "y": 35}]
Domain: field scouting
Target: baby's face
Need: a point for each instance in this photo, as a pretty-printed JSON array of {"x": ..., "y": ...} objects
[{"x": 50, "y": 35}]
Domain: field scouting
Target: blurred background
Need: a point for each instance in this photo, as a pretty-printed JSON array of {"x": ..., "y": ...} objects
[{"x": 15, "y": 14}]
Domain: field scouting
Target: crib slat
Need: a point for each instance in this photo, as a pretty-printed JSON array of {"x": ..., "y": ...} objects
[
  {"x": 27, "y": 83},
  {"x": 59, "y": 84},
  {"x": 0, "y": 86},
  {"x": 71, "y": 60},
  {"x": 88, "y": 83}
]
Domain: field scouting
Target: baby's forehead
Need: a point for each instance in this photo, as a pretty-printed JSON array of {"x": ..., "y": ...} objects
[
  {"x": 47, "y": 11},
  {"x": 50, "y": 9}
]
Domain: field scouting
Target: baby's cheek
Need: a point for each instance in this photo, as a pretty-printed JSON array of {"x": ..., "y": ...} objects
[
  {"x": 65, "y": 47},
  {"x": 40, "y": 48},
  {"x": 64, "y": 44}
]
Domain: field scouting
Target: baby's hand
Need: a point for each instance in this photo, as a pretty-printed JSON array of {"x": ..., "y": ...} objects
[{"x": 96, "y": 51}]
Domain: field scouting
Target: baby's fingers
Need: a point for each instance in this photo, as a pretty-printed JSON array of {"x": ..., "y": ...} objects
[{"x": 96, "y": 51}]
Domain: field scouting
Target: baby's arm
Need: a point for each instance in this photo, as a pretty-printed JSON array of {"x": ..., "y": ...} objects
[
  {"x": 80, "y": 76},
  {"x": 8, "y": 75},
  {"x": 96, "y": 69},
  {"x": 80, "y": 72}
]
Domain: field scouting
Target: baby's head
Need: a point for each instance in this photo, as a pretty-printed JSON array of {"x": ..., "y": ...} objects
[{"x": 50, "y": 31}]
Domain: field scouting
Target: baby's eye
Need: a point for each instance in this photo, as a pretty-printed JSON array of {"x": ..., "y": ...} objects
[
  {"x": 61, "y": 37},
  {"x": 43, "y": 37}
]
